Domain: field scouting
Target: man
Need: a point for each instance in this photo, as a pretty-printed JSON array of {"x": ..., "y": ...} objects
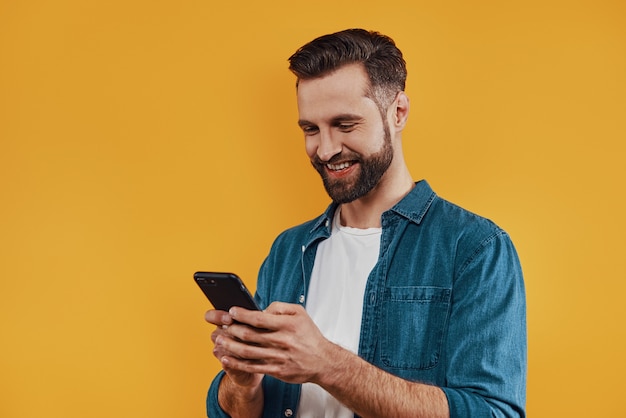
[{"x": 394, "y": 302}]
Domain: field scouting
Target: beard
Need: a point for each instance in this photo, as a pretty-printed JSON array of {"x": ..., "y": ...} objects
[{"x": 371, "y": 170}]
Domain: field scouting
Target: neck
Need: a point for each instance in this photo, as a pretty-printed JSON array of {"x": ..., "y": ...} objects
[{"x": 366, "y": 212}]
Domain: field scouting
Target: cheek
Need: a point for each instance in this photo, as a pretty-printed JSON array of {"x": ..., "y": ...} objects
[{"x": 310, "y": 146}]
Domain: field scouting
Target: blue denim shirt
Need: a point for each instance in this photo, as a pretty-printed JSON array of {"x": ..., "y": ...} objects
[{"x": 444, "y": 305}]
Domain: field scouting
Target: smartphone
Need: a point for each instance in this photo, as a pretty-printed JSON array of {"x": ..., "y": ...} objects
[{"x": 225, "y": 290}]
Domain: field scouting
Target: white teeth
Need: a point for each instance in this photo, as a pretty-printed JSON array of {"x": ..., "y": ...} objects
[{"x": 337, "y": 167}]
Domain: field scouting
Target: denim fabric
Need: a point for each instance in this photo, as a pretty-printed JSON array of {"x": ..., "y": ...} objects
[{"x": 444, "y": 305}]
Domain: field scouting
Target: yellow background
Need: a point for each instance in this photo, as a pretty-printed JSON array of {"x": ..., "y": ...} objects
[{"x": 143, "y": 140}]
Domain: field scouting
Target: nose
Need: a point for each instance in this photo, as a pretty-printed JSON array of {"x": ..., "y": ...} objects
[{"x": 327, "y": 147}]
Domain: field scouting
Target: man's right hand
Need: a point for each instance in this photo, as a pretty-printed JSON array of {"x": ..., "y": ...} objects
[{"x": 240, "y": 393}]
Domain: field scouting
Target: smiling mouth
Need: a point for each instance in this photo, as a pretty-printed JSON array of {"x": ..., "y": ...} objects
[{"x": 339, "y": 167}]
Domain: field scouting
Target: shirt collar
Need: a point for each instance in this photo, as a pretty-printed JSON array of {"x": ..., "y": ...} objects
[
  {"x": 413, "y": 206},
  {"x": 323, "y": 224}
]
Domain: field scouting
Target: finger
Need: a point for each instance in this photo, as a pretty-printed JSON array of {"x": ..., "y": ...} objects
[
  {"x": 248, "y": 334},
  {"x": 221, "y": 344},
  {"x": 219, "y": 353},
  {"x": 217, "y": 332},
  {"x": 248, "y": 317},
  {"x": 240, "y": 349},
  {"x": 218, "y": 318},
  {"x": 269, "y": 319},
  {"x": 238, "y": 366},
  {"x": 232, "y": 364},
  {"x": 281, "y": 308}
]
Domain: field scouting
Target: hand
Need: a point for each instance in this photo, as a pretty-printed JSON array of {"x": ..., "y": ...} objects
[
  {"x": 283, "y": 341},
  {"x": 223, "y": 320}
]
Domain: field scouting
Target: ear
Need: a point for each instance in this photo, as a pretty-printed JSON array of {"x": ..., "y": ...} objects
[{"x": 399, "y": 111}]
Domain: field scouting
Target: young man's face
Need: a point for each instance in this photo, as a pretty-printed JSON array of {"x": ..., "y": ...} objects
[{"x": 346, "y": 137}]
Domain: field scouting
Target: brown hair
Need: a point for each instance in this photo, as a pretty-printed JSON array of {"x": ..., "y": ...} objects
[{"x": 378, "y": 53}]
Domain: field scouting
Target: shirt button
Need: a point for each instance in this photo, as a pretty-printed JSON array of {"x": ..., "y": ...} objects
[
  {"x": 288, "y": 412},
  {"x": 301, "y": 299}
]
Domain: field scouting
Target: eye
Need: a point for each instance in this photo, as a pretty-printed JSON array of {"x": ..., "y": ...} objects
[
  {"x": 346, "y": 127},
  {"x": 310, "y": 130}
]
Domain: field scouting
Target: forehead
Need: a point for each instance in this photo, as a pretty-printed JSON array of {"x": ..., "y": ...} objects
[{"x": 343, "y": 90}]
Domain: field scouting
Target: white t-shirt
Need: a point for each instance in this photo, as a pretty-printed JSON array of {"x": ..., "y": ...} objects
[{"x": 335, "y": 302}]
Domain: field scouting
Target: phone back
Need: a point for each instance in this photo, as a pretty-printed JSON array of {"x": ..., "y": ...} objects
[{"x": 225, "y": 290}]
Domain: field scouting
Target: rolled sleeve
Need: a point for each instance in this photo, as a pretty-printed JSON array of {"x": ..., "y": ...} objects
[
  {"x": 213, "y": 408},
  {"x": 486, "y": 374}
]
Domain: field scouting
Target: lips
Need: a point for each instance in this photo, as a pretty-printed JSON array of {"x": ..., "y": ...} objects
[{"x": 340, "y": 166}]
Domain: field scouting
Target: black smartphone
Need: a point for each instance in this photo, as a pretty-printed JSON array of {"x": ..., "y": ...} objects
[{"x": 225, "y": 290}]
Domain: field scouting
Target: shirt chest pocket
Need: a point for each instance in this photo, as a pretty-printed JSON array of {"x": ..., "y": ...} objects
[{"x": 414, "y": 322}]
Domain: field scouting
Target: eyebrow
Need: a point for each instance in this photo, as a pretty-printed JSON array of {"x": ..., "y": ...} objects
[{"x": 335, "y": 119}]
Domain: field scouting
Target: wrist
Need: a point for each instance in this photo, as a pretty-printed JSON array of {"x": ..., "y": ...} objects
[
  {"x": 233, "y": 398},
  {"x": 342, "y": 368},
  {"x": 244, "y": 392}
]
